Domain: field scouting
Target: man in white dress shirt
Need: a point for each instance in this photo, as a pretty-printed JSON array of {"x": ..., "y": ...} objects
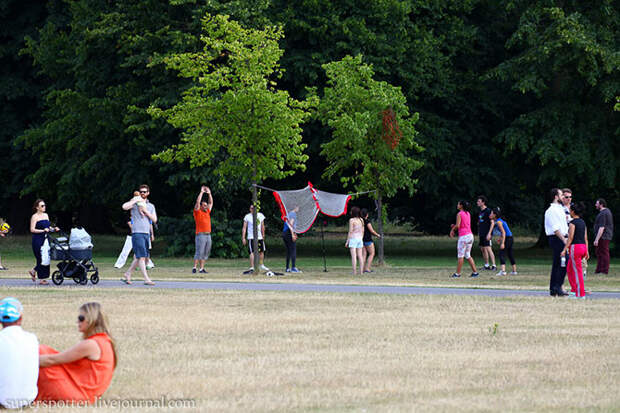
[
  {"x": 556, "y": 229},
  {"x": 19, "y": 358}
]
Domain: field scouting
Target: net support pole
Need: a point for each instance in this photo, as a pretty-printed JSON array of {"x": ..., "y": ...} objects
[{"x": 323, "y": 245}]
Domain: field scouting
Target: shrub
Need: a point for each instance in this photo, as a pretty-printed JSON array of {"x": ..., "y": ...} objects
[{"x": 179, "y": 235}]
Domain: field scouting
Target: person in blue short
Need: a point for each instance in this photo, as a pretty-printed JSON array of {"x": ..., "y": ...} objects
[
  {"x": 506, "y": 241},
  {"x": 354, "y": 239},
  {"x": 143, "y": 215},
  {"x": 368, "y": 252}
]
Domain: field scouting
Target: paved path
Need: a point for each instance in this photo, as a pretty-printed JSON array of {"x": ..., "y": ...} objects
[{"x": 334, "y": 288}]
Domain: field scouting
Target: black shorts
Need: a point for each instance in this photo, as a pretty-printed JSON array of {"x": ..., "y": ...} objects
[
  {"x": 261, "y": 246},
  {"x": 484, "y": 242}
]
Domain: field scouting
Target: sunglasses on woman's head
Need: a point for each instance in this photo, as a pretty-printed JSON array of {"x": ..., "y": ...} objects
[{"x": 81, "y": 318}]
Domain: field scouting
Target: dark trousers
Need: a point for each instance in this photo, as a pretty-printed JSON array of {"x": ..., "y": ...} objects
[
  {"x": 291, "y": 249},
  {"x": 558, "y": 273},
  {"x": 43, "y": 271},
  {"x": 507, "y": 251},
  {"x": 602, "y": 256}
]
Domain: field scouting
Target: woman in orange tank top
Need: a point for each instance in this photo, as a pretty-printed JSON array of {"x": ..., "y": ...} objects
[{"x": 83, "y": 372}]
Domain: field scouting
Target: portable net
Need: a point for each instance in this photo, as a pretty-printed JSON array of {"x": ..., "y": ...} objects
[
  {"x": 302, "y": 199},
  {"x": 310, "y": 201}
]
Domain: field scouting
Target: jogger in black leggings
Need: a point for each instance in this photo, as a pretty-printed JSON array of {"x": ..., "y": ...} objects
[
  {"x": 291, "y": 250},
  {"x": 505, "y": 242},
  {"x": 290, "y": 237}
]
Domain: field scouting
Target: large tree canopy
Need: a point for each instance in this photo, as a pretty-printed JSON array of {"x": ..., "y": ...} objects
[
  {"x": 564, "y": 57},
  {"x": 513, "y": 96}
]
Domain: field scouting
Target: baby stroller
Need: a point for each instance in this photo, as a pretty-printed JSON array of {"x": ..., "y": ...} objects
[{"x": 75, "y": 254}]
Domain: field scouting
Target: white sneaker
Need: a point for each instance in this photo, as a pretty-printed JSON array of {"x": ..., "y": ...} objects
[
  {"x": 262, "y": 267},
  {"x": 514, "y": 273},
  {"x": 501, "y": 273}
]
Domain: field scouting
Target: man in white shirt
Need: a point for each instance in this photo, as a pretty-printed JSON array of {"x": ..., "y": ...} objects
[
  {"x": 19, "y": 358},
  {"x": 567, "y": 199},
  {"x": 247, "y": 236},
  {"x": 556, "y": 229}
]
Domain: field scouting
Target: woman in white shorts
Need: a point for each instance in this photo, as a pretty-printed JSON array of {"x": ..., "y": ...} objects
[
  {"x": 354, "y": 239},
  {"x": 466, "y": 239}
]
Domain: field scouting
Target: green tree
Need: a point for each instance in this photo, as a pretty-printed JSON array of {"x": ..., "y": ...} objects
[
  {"x": 94, "y": 141},
  {"x": 234, "y": 115},
  {"x": 360, "y": 153},
  {"x": 563, "y": 56},
  {"x": 436, "y": 51},
  {"x": 20, "y": 99}
]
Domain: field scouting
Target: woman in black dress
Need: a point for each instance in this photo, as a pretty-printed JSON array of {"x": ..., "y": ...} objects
[{"x": 40, "y": 226}]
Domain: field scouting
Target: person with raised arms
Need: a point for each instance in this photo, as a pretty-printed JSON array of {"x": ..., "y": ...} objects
[{"x": 202, "y": 218}]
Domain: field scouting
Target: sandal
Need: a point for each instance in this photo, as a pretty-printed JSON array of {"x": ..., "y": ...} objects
[
  {"x": 126, "y": 281},
  {"x": 149, "y": 283},
  {"x": 43, "y": 282},
  {"x": 33, "y": 275}
]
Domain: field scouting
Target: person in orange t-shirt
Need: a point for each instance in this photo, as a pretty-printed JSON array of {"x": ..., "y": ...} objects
[
  {"x": 83, "y": 372},
  {"x": 202, "y": 217}
]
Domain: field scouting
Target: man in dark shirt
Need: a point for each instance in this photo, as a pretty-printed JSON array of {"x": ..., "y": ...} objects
[
  {"x": 484, "y": 233},
  {"x": 603, "y": 233}
]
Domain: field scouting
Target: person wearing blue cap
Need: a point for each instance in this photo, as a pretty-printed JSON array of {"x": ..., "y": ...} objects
[{"x": 19, "y": 357}]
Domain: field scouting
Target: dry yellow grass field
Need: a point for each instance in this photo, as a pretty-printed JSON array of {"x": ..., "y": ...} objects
[{"x": 281, "y": 351}]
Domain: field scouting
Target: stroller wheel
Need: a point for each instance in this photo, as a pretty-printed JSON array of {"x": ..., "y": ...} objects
[
  {"x": 57, "y": 277},
  {"x": 95, "y": 277}
]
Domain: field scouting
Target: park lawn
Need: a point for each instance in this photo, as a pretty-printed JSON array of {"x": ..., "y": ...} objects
[
  {"x": 288, "y": 351},
  {"x": 413, "y": 261}
]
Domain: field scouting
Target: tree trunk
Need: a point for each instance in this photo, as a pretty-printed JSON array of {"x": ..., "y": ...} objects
[
  {"x": 255, "y": 226},
  {"x": 542, "y": 241},
  {"x": 380, "y": 256}
]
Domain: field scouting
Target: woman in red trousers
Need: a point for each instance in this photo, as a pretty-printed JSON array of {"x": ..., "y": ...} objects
[{"x": 577, "y": 248}]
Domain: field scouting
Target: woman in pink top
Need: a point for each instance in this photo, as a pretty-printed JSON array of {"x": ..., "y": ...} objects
[{"x": 466, "y": 239}]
